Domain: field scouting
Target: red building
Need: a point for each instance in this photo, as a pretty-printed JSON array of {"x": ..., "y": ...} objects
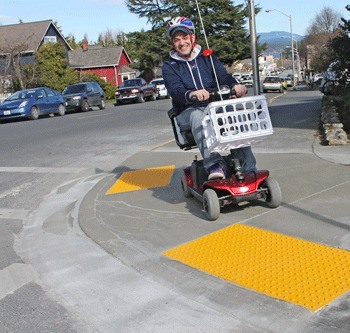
[{"x": 109, "y": 63}]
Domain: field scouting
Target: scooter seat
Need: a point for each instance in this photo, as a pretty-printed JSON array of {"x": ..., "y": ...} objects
[{"x": 184, "y": 139}]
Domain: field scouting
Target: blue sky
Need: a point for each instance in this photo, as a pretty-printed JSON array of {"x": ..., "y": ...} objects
[{"x": 92, "y": 17}]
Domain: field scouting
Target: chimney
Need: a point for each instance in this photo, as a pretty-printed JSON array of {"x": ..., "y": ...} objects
[{"x": 84, "y": 46}]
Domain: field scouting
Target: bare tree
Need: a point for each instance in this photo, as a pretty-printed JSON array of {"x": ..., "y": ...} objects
[
  {"x": 323, "y": 28},
  {"x": 12, "y": 54},
  {"x": 325, "y": 22},
  {"x": 111, "y": 38}
]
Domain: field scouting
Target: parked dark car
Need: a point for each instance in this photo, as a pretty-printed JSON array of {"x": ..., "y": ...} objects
[
  {"x": 135, "y": 90},
  {"x": 81, "y": 96},
  {"x": 32, "y": 103}
]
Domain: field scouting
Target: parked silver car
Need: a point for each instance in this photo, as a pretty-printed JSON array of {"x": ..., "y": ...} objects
[
  {"x": 247, "y": 80},
  {"x": 288, "y": 80}
]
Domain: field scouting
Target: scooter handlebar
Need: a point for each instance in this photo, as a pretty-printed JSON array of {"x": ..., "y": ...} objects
[{"x": 214, "y": 95}]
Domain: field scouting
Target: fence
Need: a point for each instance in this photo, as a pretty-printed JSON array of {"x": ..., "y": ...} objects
[{"x": 3, "y": 97}]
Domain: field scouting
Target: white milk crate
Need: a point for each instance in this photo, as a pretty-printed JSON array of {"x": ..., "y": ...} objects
[{"x": 236, "y": 123}]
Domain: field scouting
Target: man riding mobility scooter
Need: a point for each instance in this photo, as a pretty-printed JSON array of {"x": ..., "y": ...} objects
[
  {"x": 226, "y": 124},
  {"x": 229, "y": 124}
]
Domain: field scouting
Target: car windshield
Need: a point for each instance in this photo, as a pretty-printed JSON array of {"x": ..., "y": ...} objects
[
  {"x": 78, "y": 88},
  {"x": 158, "y": 82},
  {"x": 272, "y": 79},
  {"x": 21, "y": 95},
  {"x": 131, "y": 83}
]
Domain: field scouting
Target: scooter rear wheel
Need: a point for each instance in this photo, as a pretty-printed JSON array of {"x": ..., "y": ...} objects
[
  {"x": 211, "y": 204},
  {"x": 185, "y": 187}
]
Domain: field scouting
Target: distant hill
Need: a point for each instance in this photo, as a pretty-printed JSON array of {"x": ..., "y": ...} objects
[{"x": 277, "y": 40}]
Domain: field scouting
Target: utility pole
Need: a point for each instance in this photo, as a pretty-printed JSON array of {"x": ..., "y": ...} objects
[{"x": 253, "y": 47}]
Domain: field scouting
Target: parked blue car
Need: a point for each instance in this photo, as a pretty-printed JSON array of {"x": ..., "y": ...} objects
[{"x": 32, "y": 103}]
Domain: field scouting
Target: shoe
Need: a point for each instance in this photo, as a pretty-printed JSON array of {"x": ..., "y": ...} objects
[{"x": 216, "y": 172}]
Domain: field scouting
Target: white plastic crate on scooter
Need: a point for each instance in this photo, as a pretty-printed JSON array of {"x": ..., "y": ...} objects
[{"x": 236, "y": 123}]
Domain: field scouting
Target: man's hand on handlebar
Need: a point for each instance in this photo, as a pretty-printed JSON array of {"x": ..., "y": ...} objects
[
  {"x": 236, "y": 91},
  {"x": 199, "y": 95},
  {"x": 239, "y": 90}
]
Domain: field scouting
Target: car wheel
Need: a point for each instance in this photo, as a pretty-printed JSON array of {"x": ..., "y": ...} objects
[
  {"x": 211, "y": 204},
  {"x": 274, "y": 195},
  {"x": 141, "y": 98},
  {"x": 61, "y": 110},
  {"x": 85, "y": 106},
  {"x": 153, "y": 97},
  {"x": 34, "y": 113},
  {"x": 264, "y": 91},
  {"x": 102, "y": 105}
]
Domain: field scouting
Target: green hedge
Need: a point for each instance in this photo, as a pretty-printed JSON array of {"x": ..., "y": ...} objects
[{"x": 108, "y": 88}]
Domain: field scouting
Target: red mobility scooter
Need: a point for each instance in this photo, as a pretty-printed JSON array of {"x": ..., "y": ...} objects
[{"x": 229, "y": 124}]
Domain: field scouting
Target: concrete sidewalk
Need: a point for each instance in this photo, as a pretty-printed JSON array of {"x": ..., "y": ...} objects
[{"x": 165, "y": 295}]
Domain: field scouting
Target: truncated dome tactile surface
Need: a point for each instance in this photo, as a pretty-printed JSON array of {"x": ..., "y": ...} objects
[
  {"x": 298, "y": 271},
  {"x": 142, "y": 179}
]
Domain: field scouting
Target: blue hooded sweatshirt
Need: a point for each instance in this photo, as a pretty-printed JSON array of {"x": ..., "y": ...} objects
[{"x": 184, "y": 76}]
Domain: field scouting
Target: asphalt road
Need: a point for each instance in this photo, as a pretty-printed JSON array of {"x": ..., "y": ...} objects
[
  {"x": 48, "y": 166},
  {"x": 37, "y": 158}
]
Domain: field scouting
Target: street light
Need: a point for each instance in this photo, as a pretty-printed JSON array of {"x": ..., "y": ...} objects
[{"x": 291, "y": 37}]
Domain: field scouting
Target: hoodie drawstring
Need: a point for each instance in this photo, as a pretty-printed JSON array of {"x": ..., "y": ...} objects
[{"x": 199, "y": 74}]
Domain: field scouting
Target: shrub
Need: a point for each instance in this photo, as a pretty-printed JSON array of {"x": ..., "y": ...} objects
[{"x": 108, "y": 88}]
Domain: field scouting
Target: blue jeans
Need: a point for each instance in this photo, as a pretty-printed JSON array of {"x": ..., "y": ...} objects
[{"x": 191, "y": 119}]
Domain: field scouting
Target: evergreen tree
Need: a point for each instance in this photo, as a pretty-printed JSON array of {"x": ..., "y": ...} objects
[
  {"x": 340, "y": 47},
  {"x": 52, "y": 68},
  {"x": 71, "y": 41},
  {"x": 224, "y": 23},
  {"x": 154, "y": 10},
  {"x": 147, "y": 49}
]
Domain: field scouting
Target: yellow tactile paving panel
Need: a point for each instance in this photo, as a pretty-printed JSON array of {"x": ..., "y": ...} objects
[
  {"x": 284, "y": 267},
  {"x": 142, "y": 179}
]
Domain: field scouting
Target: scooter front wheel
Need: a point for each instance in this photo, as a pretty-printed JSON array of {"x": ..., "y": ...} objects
[
  {"x": 211, "y": 204},
  {"x": 274, "y": 195}
]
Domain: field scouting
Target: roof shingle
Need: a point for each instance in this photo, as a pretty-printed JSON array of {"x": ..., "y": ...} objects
[
  {"x": 29, "y": 35},
  {"x": 95, "y": 56}
]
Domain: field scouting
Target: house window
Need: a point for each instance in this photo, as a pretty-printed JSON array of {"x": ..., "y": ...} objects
[
  {"x": 50, "y": 39},
  {"x": 128, "y": 76}
]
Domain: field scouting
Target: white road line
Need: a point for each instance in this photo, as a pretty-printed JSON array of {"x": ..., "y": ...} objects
[
  {"x": 15, "y": 191},
  {"x": 41, "y": 170},
  {"x": 14, "y": 214},
  {"x": 14, "y": 277}
]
